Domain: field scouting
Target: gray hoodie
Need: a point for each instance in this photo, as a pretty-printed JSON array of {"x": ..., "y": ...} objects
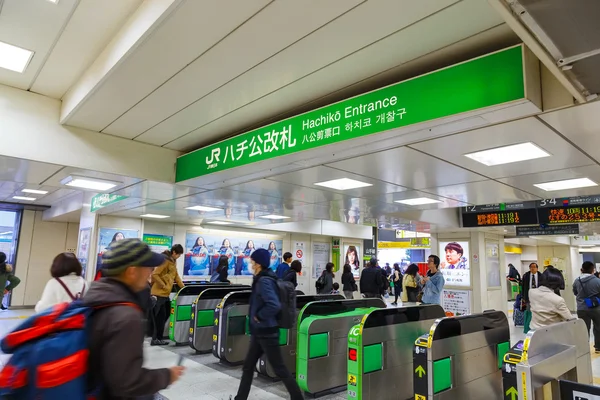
[
  {"x": 116, "y": 345},
  {"x": 585, "y": 286}
]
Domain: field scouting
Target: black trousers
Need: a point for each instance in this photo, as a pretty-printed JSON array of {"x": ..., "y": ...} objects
[
  {"x": 589, "y": 316},
  {"x": 161, "y": 314},
  {"x": 268, "y": 345}
]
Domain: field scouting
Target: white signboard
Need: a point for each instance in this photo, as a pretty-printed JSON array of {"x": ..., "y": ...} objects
[
  {"x": 457, "y": 301},
  {"x": 321, "y": 255}
]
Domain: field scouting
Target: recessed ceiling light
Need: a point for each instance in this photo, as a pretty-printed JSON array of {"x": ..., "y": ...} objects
[
  {"x": 14, "y": 58},
  {"x": 24, "y": 198},
  {"x": 100, "y": 185},
  {"x": 508, "y": 154},
  {"x": 419, "y": 201},
  {"x": 220, "y": 223},
  {"x": 273, "y": 216},
  {"x": 343, "y": 184},
  {"x": 157, "y": 216},
  {"x": 34, "y": 191},
  {"x": 6, "y": 233},
  {"x": 566, "y": 184},
  {"x": 203, "y": 208},
  {"x": 53, "y": 1}
]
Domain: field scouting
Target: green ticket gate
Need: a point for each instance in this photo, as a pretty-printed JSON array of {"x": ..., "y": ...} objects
[
  {"x": 288, "y": 339},
  {"x": 380, "y": 351},
  {"x": 174, "y": 290},
  {"x": 462, "y": 358},
  {"x": 230, "y": 331},
  {"x": 200, "y": 327},
  {"x": 321, "y": 355},
  {"x": 181, "y": 311}
]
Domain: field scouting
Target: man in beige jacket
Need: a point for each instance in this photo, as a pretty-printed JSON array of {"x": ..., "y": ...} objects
[{"x": 162, "y": 284}]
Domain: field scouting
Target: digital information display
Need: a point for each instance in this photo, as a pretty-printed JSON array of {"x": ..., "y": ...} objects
[
  {"x": 521, "y": 217},
  {"x": 569, "y": 215}
]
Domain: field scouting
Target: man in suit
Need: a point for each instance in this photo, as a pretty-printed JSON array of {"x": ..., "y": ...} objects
[{"x": 531, "y": 280}]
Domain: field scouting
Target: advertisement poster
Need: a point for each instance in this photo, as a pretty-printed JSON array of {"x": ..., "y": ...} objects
[
  {"x": 320, "y": 254},
  {"x": 83, "y": 247},
  {"x": 202, "y": 253},
  {"x": 352, "y": 257},
  {"x": 108, "y": 236},
  {"x": 158, "y": 243},
  {"x": 454, "y": 263},
  {"x": 457, "y": 301},
  {"x": 492, "y": 260}
]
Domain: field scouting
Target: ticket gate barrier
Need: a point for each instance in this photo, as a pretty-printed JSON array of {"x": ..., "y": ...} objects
[
  {"x": 462, "y": 357},
  {"x": 556, "y": 352},
  {"x": 380, "y": 351},
  {"x": 174, "y": 291},
  {"x": 578, "y": 391},
  {"x": 200, "y": 327},
  {"x": 181, "y": 311},
  {"x": 321, "y": 354},
  {"x": 230, "y": 331},
  {"x": 288, "y": 340}
]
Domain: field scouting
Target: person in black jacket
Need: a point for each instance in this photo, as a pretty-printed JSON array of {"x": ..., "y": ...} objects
[
  {"x": 371, "y": 280},
  {"x": 348, "y": 282},
  {"x": 513, "y": 273},
  {"x": 222, "y": 269},
  {"x": 292, "y": 274},
  {"x": 557, "y": 273}
]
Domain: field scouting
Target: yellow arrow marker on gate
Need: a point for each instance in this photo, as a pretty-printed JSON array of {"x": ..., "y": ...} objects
[
  {"x": 420, "y": 371},
  {"x": 513, "y": 393}
]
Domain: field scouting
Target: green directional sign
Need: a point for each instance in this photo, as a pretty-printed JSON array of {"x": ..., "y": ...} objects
[
  {"x": 102, "y": 200},
  {"x": 512, "y": 393},
  {"x": 483, "y": 82},
  {"x": 420, "y": 371}
]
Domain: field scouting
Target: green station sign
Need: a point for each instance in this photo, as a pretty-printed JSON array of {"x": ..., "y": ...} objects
[
  {"x": 483, "y": 82},
  {"x": 102, "y": 200}
]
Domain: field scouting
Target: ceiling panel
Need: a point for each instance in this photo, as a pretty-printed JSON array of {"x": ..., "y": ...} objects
[
  {"x": 157, "y": 191},
  {"x": 189, "y": 32},
  {"x": 55, "y": 178},
  {"x": 484, "y": 192},
  {"x": 33, "y": 25},
  {"x": 308, "y": 177},
  {"x": 526, "y": 182},
  {"x": 580, "y": 125},
  {"x": 92, "y": 26},
  {"x": 233, "y": 56},
  {"x": 226, "y": 111},
  {"x": 407, "y": 167},
  {"x": 25, "y": 171},
  {"x": 453, "y": 148}
]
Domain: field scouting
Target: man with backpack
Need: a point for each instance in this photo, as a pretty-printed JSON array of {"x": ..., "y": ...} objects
[
  {"x": 265, "y": 308},
  {"x": 587, "y": 291}
]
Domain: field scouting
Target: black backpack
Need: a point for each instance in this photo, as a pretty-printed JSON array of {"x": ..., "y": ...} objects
[
  {"x": 287, "y": 297},
  {"x": 320, "y": 283}
]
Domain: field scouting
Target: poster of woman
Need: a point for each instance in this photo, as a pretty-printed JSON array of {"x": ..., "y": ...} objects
[
  {"x": 243, "y": 264},
  {"x": 197, "y": 258},
  {"x": 353, "y": 259},
  {"x": 275, "y": 258},
  {"x": 109, "y": 236}
]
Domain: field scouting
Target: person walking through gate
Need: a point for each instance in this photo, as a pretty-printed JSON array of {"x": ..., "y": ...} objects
[
  {"x": 587, "y": 289},
  {"x": 6, "y": 275},
  {"x": 531, "y": 280}
]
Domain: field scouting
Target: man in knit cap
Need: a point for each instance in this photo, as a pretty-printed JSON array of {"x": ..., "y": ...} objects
[{"x": 264, "y": 330}]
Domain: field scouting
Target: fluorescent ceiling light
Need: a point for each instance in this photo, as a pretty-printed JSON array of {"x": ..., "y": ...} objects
[
  {"x": 203, "y": 208},
  {"x": 419, "y": 201},
  {"x": 566, "y": 184},
  {"x": 6, "y": 233},
  {"x": 343, "y": 184},
  {"x": 157, "y": 216},
  {"x": 24, "y": 198},
  {"x": 100, "y": 185},
  {"x": 14, "y": 58},
  {"x": 273, "y": 216},
  {"x": 34, "y": 191},
  {"x": 220, "y": 223},
  {"x": 508, "y": 154},
  {"x": 53, "y": 1}
]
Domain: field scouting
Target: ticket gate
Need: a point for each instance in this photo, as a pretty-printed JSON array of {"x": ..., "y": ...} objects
[
  {"x": 200, "y": 327},
  {"x": 288, "y": 340},
  {"x": 533, "y": 367},
  {"x": 174, "y": 291},
  {"x": 181, "y": 311},
  {"x": 321, "y": 354},
  {"x": 230, "y": 331},
  {"x": 462, "y": 357},
  {"x": 380, "y": 351}
]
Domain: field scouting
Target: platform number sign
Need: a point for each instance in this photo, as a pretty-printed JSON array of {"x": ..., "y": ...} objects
[{"x": 547, "y": 202}]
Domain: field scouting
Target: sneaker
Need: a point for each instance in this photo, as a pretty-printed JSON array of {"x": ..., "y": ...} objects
[
  {"x": 2, "y": 308},
  {"x": 597, "y": 351},
  {"x": 157, "y": 342}
]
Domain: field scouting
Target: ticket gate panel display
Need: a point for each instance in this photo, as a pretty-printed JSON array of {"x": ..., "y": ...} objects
[
  {"x": 289, "y": 341},
  {"x": 201, "y": 325},
  {"x": 179, "y": 320},
  {"x": 380, "y": 351},
  {"x": 230, "y": 332},
  {"x": 322, "y": 350},
  {"x": 464, "y": 357}
]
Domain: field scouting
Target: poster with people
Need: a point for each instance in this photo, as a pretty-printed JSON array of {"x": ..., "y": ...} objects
[
  {"x": 352, "y": 257},
  {"x": 202, "y": 254},
  {"x": 108, "y": 236},
  {"x": 454, "y": 263}
]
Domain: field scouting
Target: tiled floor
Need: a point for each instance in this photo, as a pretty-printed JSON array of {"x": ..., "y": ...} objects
[{"x": 207, "y": 379}]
